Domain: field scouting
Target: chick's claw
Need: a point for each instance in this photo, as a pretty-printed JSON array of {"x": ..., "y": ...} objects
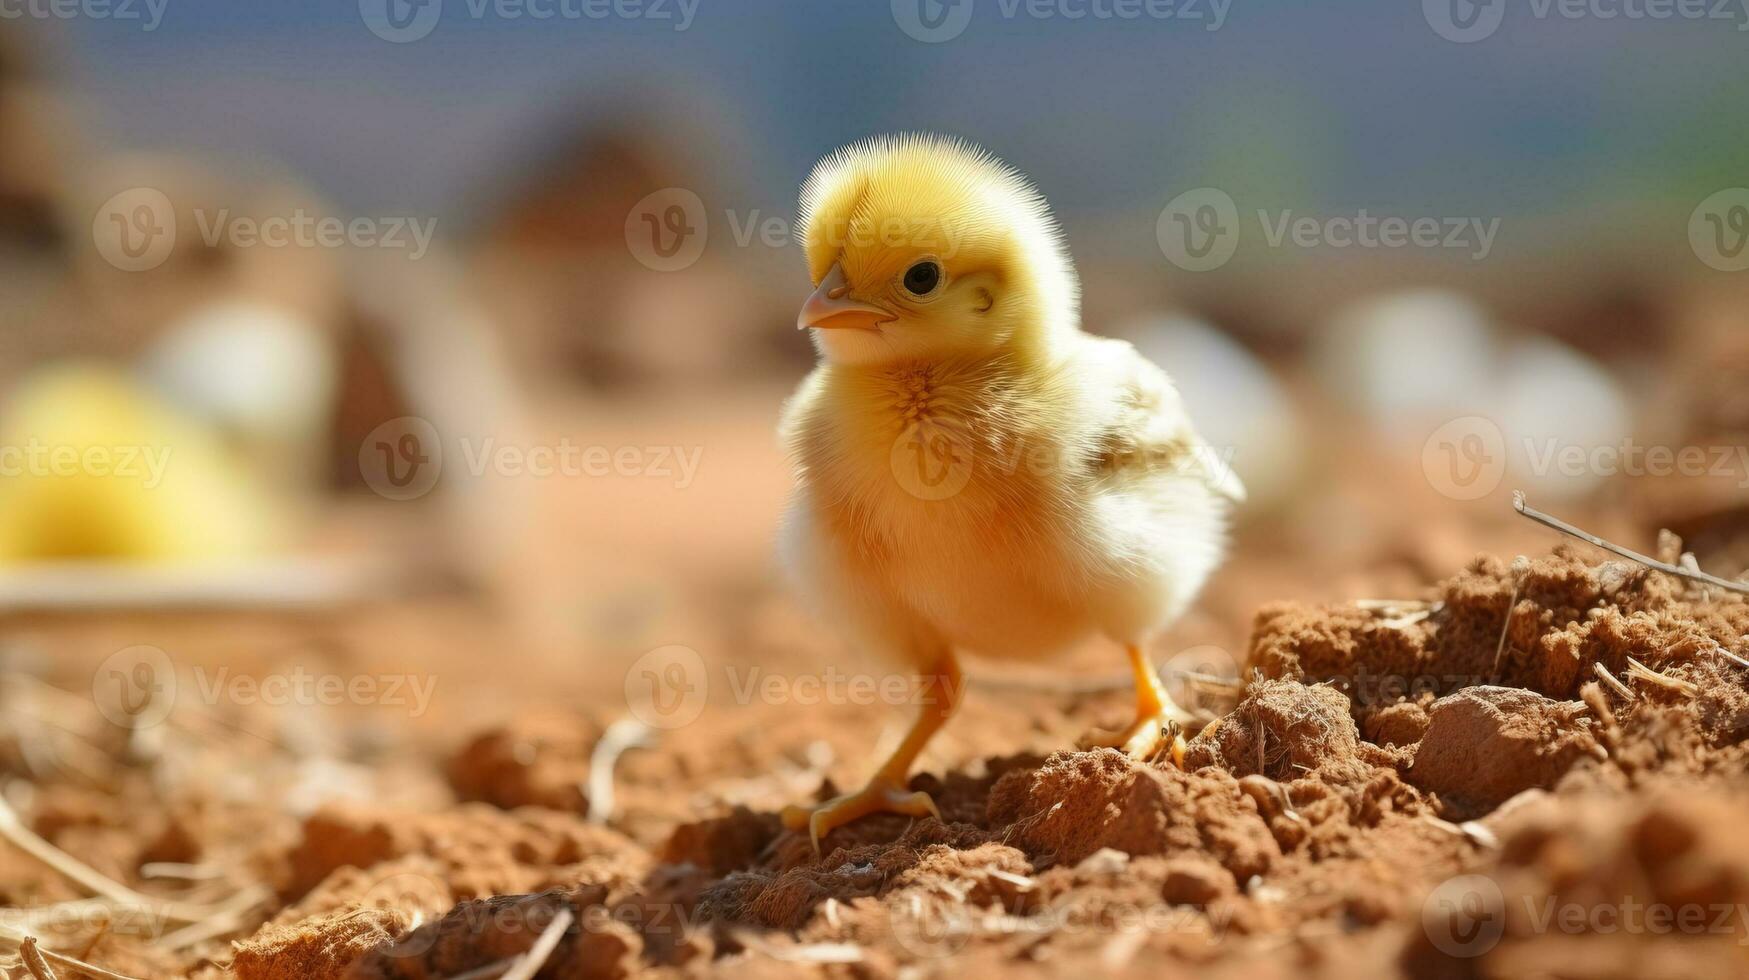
[
  {"x": 1144, "y": 739},
  {"x": 876, "y": 797}
]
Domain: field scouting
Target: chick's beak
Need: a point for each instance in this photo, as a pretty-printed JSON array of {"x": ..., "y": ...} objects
[{"x": 829, "y": 308}]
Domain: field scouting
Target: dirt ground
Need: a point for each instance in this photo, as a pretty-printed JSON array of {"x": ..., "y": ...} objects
[{"x": 1433, "y": 758}]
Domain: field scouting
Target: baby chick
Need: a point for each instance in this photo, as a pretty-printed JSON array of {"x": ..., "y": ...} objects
[
  {"x": 973, "y": 472},
  {"x": 98, "y": 467}
]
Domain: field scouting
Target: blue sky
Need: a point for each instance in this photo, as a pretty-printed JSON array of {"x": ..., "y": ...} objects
[{"x": 1342, "y": 103}]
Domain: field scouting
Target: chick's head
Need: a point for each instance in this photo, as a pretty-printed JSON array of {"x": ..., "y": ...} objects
[{"x": 922, "y": 248}]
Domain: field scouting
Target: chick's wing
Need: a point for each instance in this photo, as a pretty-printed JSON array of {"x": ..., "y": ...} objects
[{"x": 1144, "y": 427}]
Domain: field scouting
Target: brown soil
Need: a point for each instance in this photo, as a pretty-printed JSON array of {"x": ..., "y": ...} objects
[{"x": 1429, "y": 788}]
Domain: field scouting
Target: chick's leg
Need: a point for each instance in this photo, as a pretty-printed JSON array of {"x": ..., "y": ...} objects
[
  {"x": 1159, "y": 723},
  {"x": 886, "y": 792}
]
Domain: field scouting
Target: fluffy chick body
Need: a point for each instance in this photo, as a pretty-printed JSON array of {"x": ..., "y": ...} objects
[{"x": 999, "y": 507}]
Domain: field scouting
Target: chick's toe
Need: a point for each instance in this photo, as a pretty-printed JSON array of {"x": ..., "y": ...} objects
[{"x": 879, "y": 796}]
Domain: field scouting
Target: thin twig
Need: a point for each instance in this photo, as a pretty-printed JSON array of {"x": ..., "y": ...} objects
[
  {"x": 33, "y": 960},
  {"x": 1518, "y": 504},
  {"x": 1640, "y": 671},
  {"x": 22, "y": 837},
  {"x": 623, "y": 734},
  {"x": 26, "y": 840},
  {"x": 1511, "y": 608},
  {"x": 89, "y": 969},
  {"x": 536, "y": 957},
  {"x": 1608, "y": 678},
  {"x": 15, "y": 938},
  {"x": 491, "y": 971},
  {"x": 225, "y": 917}
]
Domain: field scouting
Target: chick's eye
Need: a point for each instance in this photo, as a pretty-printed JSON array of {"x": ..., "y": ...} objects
[{"x": 922, "y": 278}]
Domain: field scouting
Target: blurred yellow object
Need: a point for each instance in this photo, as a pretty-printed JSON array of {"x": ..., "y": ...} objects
[{"x": 94, "y": 465}]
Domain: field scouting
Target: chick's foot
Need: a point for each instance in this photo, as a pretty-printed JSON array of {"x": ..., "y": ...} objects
[
  {"x": 1159, "y": 724},
  {"x": 879, "y": 796},
  {"x": 1143, "y": 739}
]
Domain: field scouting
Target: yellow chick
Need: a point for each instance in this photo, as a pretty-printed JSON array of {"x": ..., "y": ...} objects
[
  {"x": 94, "y": 466},
  {"x": 973, "y": 472}
]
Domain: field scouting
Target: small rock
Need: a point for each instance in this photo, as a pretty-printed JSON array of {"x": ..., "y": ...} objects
[{"x": 1485, "y": 745}]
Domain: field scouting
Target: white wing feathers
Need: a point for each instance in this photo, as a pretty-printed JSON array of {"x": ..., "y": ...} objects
[{"x": 1149, "y": 427}]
